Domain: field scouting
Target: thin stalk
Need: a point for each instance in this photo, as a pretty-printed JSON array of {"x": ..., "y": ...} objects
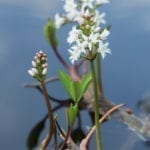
[
  {"x": 60, "y": 58},
  {"x": 99, "y": 75},
  {"x": 66, "y": 138},
  {"x": 96, "y": 106},
  {"x": 50, "y": 115}
]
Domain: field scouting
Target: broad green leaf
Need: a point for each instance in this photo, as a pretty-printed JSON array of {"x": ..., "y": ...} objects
[
  {"x": 78, "y": 87},
  {"x": 74, "y": 89},
  {"x": 86, "y": 79},
  {"x": 50, "y": 33},
  {"x": 72, "y": 114},
  {"x": 66, "y": 81}
]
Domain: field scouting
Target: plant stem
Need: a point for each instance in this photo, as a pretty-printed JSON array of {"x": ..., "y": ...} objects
[
  {"x": 60, "y": 58},
  {"x": 96, "y": 107},
  {"x": 50, "y": 115},
  {"x": 99, "y": 75}
]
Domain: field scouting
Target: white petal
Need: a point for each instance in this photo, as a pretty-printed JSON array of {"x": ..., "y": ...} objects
[
  {"x": 103, "y": 49},
  {"x": 59, "y": 21},
  {"x": 74, "y": 54},
  {"x": 73, "y": 35},
  {"x": 102, "y": 1},
  {"x": 104, "y": 34}
]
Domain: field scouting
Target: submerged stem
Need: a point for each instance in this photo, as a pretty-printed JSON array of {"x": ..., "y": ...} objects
[{"x": 96, "y": 106}]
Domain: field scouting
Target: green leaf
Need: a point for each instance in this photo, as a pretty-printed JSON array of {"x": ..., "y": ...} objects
[
  {"x": 74, "y": 89},
  {"x": 50, "y": 33},
  {"x": 72, "y": 114},
  {"x": 78, "y": 88},
  {"x": 32, "y": 139},
  {"x": 83, "y": 85},
  {"x": 66, "y": 81}
]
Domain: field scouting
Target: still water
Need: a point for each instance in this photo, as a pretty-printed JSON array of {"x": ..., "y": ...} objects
[{"x": 126, "y": 73}]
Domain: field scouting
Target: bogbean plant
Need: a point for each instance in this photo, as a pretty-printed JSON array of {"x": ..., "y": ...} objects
[{"x": 87, "y": 43}]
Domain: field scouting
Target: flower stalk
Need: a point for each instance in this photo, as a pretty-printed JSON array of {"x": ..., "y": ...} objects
[
  {"x": 96, "y": 106},
  {"x": 50, "y": 115},
  {"x": 38, "y": 71},
  {"x": 98, "y": 68}
]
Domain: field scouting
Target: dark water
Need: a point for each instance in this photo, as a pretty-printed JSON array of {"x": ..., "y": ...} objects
[{"x": 126, "y": 73}]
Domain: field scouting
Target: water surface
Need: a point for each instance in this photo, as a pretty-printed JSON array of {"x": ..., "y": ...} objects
[{"x": 125, "y": 73}]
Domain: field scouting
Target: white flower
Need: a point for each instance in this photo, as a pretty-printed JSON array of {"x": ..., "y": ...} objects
[
  {"x": 104, "y": 34},
  {"x": 59, "y": 21},
  {"x": 69, "y": 5},
  {"x": 99, "y": 18},
  {"x": 89, "y": 41},
  {"x": 103, "y": 49},
  {"x": 87, "y": 45},
  {"x": 72, "y": 15},
  {"x": 73, "y": 35},
  {"x": 74, "y": 54},
  {"x": 95, "y": 29},
  {"x": 76, "y": 51},
  {"x": 87, "y": 3},
  {"x": 94, "y": 37},
  {"x": 86, "y": 13},
  {"x": 71, "y": 11},
  {"x": 102, "y": 2},
  {"x": 79, "y": 18},
  {"x": 85, "y": 36}
]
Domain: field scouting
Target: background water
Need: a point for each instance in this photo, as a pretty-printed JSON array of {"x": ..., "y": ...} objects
[{"x": 126, "y": 73}]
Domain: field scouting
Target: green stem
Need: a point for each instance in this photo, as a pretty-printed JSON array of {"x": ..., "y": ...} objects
[
  {"x": 96, "y": 106},
  {"x": 98, "y": 75},
  {"x": 50, "y": 115}
]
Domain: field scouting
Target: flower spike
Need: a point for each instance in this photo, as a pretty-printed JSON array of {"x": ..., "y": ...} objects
[{"x": 39, "y": 66}]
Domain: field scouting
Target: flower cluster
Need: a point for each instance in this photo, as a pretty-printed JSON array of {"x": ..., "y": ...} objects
[
  {"x": 39, "y": 66},
  {"x": 87, "y": 36}
]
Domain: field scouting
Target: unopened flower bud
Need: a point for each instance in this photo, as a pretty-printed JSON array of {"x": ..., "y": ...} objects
[
  {"x": 37, "y": 61},
  {"x": 87, "y": 27},
  {"x": 41, "y": 52},
  {"x": 33, "y": 72},
  {"x": 44, "y": 65},
  {"x": 39, "y": 55},
  {"x": 44, "y": 71},
  {"x": 33, "y": 63},
  {"x": 43, "y": 58}
]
